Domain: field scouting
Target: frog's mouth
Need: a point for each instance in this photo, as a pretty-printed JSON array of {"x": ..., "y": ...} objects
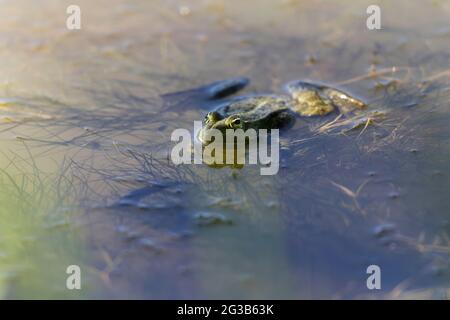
[
  {"x": 205, "y": 134},
  {"x": 209, "y": 122},
  {"x": 201, "y": 136}
]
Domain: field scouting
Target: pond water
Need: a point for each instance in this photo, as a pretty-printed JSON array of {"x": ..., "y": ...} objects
[{"x": 85, "y": 137}]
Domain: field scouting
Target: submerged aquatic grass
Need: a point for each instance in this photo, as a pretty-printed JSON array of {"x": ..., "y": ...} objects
[{"x": 38, "y": 239}]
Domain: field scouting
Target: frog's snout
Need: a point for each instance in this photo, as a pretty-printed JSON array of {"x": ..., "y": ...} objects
[{"x": 212, "y": 117}]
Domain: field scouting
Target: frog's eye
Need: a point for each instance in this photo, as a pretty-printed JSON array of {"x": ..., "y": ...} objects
[{"x": 235, "y": 122}]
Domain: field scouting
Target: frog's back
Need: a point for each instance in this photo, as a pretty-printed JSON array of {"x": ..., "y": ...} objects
[{"x": 254, "y": 106}]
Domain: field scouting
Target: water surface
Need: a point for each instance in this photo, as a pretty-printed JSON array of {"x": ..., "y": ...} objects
[{"x": 84, "y": 107}]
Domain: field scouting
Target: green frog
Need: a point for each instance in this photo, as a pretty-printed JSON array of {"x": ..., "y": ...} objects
[{"x": 270, "y": 111}]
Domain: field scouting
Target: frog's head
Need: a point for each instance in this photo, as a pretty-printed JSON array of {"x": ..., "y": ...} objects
[{"x": 214, "y": 120}]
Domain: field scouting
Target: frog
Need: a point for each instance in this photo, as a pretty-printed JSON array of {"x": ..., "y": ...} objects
[{"x": 303, "y": 98}]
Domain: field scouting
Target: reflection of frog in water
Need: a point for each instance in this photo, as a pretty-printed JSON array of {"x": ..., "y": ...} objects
[{"x": 268, "y": 111}]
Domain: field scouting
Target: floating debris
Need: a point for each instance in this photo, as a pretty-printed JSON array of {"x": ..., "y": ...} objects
[
  {"x": 383, "y": 230},
  {"x": 127, "y": 232},
  {"x": 225, "y": 202},
  {"x": 211, "y": 218},
  {"x": 394, "y": 194},
  {"x": 16, "y": 110},
  {"x": 151, "y": 245},
  {"x": 184, "y": 11},
  {"x": 360, "y": 122}
]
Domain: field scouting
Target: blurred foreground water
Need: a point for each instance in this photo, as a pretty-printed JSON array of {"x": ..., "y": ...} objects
[{"x": 85, "y": 178}]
